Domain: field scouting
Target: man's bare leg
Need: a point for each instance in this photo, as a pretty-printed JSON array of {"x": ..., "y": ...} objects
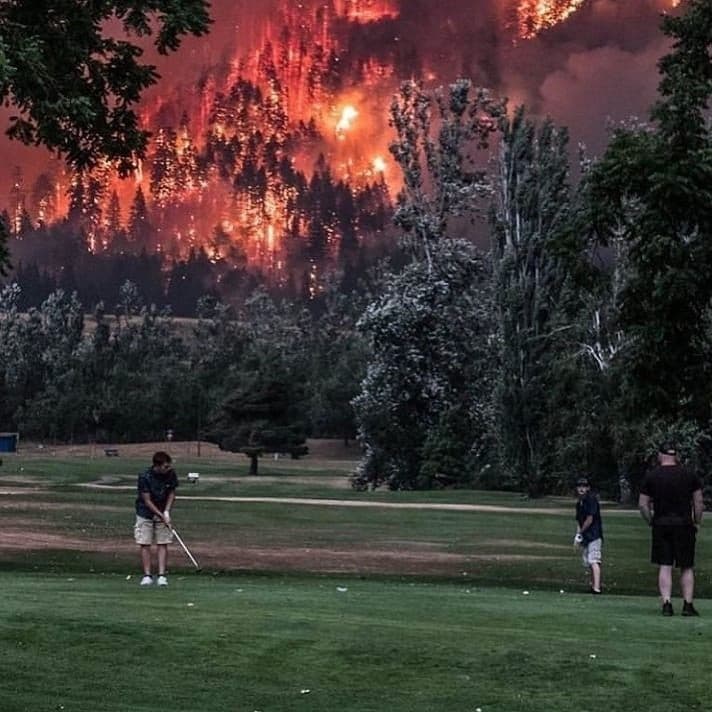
[
  {"x": 665, "y": 582},
  {"x": 687, "y": 584},
  {"x": 596, "y": 577},
  {"x": 162, "y": 559},
  {"x": 146, "y": 559}
]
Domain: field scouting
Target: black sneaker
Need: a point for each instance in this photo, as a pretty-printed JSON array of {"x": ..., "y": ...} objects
[
  {"x": 667, "y": 609},
  {"x": 689, "y": 610},
  {"x": 594, "y": 592}
]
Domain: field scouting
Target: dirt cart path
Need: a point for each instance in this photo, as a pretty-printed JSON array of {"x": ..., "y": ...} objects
[
  {"x": 399, "y": 505},
  {"x": 319, "y": 502},
  {"x": 387, "y": 505}
]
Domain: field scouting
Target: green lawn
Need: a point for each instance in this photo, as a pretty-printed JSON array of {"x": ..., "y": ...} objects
[
  {"x": 244, "y": 643},
  {"x": 434, "y": 615}
]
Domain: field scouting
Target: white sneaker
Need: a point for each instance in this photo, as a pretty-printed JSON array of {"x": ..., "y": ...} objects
[
  {"x": 162, "y": 581},
  {"x": 146, "y": 580}
]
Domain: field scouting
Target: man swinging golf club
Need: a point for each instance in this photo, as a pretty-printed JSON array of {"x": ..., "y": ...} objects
[{"x": 155, "y": 497}]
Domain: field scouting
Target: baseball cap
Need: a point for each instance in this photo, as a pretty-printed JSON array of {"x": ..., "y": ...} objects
[
  {"x": 667, "y": 448},
  {"x": 583, "y": 482}
]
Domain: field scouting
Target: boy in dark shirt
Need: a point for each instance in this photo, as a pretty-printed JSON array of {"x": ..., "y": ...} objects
[
  {"x": 589, "y": 531},
  {"x": 155, "y": 497},
  {"x": 671, "y": 503}
]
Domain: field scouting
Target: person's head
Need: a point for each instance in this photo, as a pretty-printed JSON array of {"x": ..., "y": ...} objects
[
  {"x": 582, "y": 486},
  {"x": 162, "y": 461},
  {"x": 667, "y": 454}
]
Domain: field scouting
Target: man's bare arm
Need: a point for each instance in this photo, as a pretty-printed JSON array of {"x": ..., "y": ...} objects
[
  {"x": 586, "y": 524},
  {"x": 644, "y": 506},
  {"x": 698, "y": 506}
]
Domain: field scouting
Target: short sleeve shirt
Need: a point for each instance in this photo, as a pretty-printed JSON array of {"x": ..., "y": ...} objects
[
  {"x": 159, "y": 485},
  {"x": 671, "y": 489},
  {"x": 588, "y": 506}
]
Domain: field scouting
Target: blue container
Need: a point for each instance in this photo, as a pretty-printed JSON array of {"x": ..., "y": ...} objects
[{"x": 8, "y": 442}]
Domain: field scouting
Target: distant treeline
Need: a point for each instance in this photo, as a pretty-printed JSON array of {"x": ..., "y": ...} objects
[
  {"x": 58, "y": 257},
  {"x": 135, "y": 374}
]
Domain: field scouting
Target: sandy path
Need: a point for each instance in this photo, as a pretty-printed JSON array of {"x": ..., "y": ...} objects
[{"x": 314, "y": 501}]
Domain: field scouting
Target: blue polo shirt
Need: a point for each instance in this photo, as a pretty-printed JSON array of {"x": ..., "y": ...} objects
[
  {"x": 588, "y": 506},
  {"x": 159, "y": 485}
]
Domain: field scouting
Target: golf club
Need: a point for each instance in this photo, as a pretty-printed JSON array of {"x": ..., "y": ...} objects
[{"x": 185, "y": 548}]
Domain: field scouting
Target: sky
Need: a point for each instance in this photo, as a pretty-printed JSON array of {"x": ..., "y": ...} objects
[{"x": 596, "y": 68}]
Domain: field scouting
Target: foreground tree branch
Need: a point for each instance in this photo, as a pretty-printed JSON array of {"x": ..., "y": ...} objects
[{"x": 74, "y": 84}]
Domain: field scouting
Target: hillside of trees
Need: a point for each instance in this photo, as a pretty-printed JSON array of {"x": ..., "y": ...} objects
[{"x": 573, "y": 345}]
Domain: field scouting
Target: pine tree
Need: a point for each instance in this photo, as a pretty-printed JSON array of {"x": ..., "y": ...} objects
[
  {"x": 140, "y": 229},
  {"x": 267, "y": 413},
  {"x": 165, "y": 168},
  {"x": 44, "y": 199},
  {"x": 4, "y": 238},
  {"x": 113, "y": 225}
]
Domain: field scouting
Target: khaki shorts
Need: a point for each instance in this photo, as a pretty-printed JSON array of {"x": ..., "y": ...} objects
[
  {"x": 591, "y": 553},
  {"x": 149, "y": 531}
]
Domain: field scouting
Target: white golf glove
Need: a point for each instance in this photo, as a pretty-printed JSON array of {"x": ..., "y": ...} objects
[
  {"x": 167, "y": 517},
  {"x": 578, "y": 539}
]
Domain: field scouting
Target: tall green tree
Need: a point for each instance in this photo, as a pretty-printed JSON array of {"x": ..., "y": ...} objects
[
  {"x": 12, "y": 354},
  {"x": 424, "y": 410},
  {"x": 337, "y": 353},
  {"x": 531, "y": 206},
  {"x": 424, "y": 403},
  {"x": 652, "y": 189},
  {"x": 59, "y": 409},
  {"x": 266, "y": 413},
  {"x": 149, "y": 375}
]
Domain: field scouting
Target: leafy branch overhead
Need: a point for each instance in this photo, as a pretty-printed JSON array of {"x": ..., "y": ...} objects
[{"x": 74, "y": 79}]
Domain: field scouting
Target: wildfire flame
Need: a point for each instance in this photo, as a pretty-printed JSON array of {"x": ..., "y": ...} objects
[
  {"x": 536, "y": 15},
  {"x": 364, "y": 11},
  {"x": 379, "y": 165},
  {"x": 349, "y": 114},
  {"x": 292, "y": 97}
]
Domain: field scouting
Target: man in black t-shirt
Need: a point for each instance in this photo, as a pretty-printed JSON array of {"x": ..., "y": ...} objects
[{"x": 671, "y": 502}]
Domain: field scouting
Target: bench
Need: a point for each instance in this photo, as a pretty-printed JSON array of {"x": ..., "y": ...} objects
[{"x": 111, "y": 452}]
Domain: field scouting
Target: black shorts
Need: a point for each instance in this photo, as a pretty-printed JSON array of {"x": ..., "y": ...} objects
[{"x": 673, "y": 546}]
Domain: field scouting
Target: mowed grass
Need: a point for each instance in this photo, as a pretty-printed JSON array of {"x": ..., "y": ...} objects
[
  {"x": 314, "y": 607},
  {"x": 245, "y": 643}
]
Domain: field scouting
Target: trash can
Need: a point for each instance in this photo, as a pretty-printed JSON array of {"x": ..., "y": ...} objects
[{"x": 8, "y": 442}]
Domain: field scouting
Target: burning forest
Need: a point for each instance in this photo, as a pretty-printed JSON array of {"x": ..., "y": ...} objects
[{"x": 277, "y": 157}]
